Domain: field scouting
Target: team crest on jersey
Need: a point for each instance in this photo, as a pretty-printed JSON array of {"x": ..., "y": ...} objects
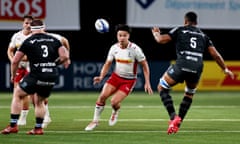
[{"x": 129, "y": 54}]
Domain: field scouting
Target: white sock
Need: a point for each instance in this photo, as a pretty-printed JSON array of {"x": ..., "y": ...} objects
[
  {"x": 115, "y": 111},
  {"x": 47, "y": 114},
  {"x": 97, "y": 112},
  {"x": 23, "y": 114}
]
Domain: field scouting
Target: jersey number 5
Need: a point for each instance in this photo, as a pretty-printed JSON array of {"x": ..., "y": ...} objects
[{"x": 193, "y": 42}]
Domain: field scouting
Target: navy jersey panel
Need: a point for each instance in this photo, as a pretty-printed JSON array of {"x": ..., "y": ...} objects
[
  {"x": 42, "y": 50},
  {"x": 191, "y": 43}
]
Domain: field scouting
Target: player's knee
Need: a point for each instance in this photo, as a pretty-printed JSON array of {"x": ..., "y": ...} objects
[
  {"x": 163, "y": 84},
  {"x": 189, "y": 91},
  {"x": 103, "y": 98},
  {"x": 113, "y": 102}
]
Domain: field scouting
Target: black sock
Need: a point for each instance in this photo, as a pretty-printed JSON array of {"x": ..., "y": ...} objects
[
  {"x": 184, "y": 106},
  {"x": 168, "y": 103},
  {"x": 39, "y": 122},
  {"x": 14, "y": 119}
]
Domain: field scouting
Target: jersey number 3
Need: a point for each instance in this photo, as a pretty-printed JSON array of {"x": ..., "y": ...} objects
[{"x": 45, "y": 50}]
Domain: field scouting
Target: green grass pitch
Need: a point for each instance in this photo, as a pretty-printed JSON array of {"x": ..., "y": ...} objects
[{"x": 214, "y": 118}]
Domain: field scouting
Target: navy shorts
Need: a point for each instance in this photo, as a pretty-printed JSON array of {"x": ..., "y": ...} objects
[
  {"x": 180, "y": 74},
  {"x": 33, "y": 85}
]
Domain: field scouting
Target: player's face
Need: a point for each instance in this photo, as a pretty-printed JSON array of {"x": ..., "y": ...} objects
[
  {"x": 26, "y": 24},
  {"x": 123, "y": 37}
]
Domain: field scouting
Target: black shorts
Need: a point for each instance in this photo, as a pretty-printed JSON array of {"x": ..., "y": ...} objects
[
  {"x": 33, "y": 85},
  {"x": 180, "y": 74}
]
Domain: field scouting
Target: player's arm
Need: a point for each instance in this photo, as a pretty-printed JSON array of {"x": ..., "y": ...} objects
[
  {"x": 160, "y": 38},
  {"x": 219, "y": 60},
  {"x": 146, "y": 72},
  {"x": 10, "y": 53},
  {"x": 15, "y": 62},
  {"x": 65, "y": 42},
  {"x": 103, "y": 72},
  {"x": 63, "y": 57}
]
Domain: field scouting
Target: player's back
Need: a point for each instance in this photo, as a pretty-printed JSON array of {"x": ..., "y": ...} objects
[
  {"x": 42, "y": 51},
  {"x": 191, "y": 43},
  {"x": 190, "y": 38},
  {"x": 42, "y": 48}
]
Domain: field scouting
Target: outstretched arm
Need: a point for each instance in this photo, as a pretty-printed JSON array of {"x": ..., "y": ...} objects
[
  {"x": 160, "y": 38},
  {"x": 219, "y": 60}
]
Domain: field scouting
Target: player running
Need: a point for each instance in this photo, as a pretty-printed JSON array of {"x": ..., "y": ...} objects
[{"x": 127, "y": 56}]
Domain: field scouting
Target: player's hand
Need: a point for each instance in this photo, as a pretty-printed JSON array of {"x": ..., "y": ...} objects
[
  {"x": 148, "y": 89},
  {"x": 12, "y": 79},
  {"x": 156, "y": 30},
  {"x": 229, "y": 72},
  {"x": 67, "y": 63},
  {"x": 97, "y": 80}
]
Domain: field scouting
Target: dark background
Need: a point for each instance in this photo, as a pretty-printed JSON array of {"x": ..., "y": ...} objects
[{"x": 89, "y": 45}]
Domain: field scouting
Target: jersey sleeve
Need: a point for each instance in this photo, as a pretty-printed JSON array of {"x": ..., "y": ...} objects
[
  {"x": 173, "y": 32},
  {"x": 24, "y": 46},
  {"x": 12, "y": 42},
  {"x": 209, "y": 42},
  {"x": 139, "y": 54},
  {"x": 110, "y": 55}
]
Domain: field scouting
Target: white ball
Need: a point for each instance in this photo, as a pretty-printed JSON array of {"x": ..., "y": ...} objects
[{"x": 102, "y": 25}]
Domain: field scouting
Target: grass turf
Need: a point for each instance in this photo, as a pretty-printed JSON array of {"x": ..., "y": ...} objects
[{"x": 213, "y": 119}]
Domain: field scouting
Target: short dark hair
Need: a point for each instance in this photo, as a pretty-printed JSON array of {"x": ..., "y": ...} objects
[
  {"x": 28, "y": 17},
  {"x": 191, "y": 17},
  {"x": 123, "y": 27},
  {"x": 37, "y": 22}
]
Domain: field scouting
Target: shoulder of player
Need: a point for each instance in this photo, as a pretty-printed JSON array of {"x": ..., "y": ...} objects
[
  {"x": 36, "y": 37},
  {"x": 17, "y": 34},
  {"x": 134, "y": 46},
  {"x": 55, "y": 35}
]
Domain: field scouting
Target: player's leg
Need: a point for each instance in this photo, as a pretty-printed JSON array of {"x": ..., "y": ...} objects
[
  {"x": 169, "y": 79},
  {"x": 22, "y": 72},
  {"x": 118, "y": 97},
  {"x": 175, "y": 120},
  {"x": 164, "y": 88},
  {"x": 115, "y": 103},
  {"x": 47, "y": 118},
  {"x": 190, "y": 89},
  {"x": 24, "y": 112},
  {"x": 106, "y": 92},
  {"x": 16, "y": 106},
  {"x": 39, "y": 109}
]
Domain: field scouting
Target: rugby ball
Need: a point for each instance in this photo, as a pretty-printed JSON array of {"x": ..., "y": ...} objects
[{"x": 102, "y": 25}]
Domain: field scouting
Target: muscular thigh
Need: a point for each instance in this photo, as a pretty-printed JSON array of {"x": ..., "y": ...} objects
[{"x": 119, "y": 96}]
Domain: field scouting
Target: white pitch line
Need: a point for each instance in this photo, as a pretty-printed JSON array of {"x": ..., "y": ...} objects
[
  {"x": 134, "y": 107},
  {"x": 153, "y": 120},
  {"x": 128, "y": 131}
]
